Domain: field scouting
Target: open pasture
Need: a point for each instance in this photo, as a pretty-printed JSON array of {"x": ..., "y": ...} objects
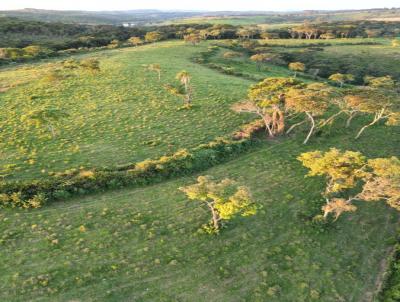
[
  {"x": 119, "y": 115},
  {"x": 143, "y": 244}
]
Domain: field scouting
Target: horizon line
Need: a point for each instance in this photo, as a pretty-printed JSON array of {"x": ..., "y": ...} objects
[{"x": 204, "y": 11}]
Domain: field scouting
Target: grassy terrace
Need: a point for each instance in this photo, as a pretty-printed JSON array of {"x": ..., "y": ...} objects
[{"x": 119, "y": 115}]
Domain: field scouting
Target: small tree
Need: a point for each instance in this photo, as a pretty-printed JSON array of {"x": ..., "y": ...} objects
[
  {"x": 183, "y": 89},
  {"x": 114, "y": 44},
  {"x": 184, "y": 78},
  {"x": 297, "y": 67},
  {"x": 224, "y": 199},
  {"x": 261, "y": 58},
  {"x": 341, "y": 79},
  {"x": 204, "y": 33},
  {"x": 155, "y": 68},
  {"x": 381, "y": 103},
  {"x": 192, "y": 38},
  {"x": 47, "y": 116},
  {"x": 346, "y": 172},
  {"x": 135, "y": 41},
  {"x": 153, "y": 36}
]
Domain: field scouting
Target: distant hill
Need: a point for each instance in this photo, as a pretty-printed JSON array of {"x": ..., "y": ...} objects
[
  {"x": 101, "y": 17},
  {"x": 141, "y": 17}
]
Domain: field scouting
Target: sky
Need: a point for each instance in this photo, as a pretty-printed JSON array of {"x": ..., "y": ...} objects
[{"x": 210, "y": 5}]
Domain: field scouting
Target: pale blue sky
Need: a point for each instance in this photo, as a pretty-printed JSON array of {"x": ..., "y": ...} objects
[{"x": 198, "y": 4}]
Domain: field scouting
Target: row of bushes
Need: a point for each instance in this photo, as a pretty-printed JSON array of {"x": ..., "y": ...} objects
[
  {"x": 391, "y": 291},
  {"x": 204, "y": 57},
  {"x": 61, "y": 186}
]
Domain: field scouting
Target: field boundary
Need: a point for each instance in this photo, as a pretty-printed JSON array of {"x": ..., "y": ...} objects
[{"x": 35, "y": 194}]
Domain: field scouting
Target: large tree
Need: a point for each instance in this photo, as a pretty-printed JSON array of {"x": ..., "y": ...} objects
[
  {"x": 193, "y": 38},
  {"x": 341, "y": 78},
  {"x": 153, "y": 36},
  {"x": 311, "y": 100},
  {"x": 350, "y": 176},
  {"x": 382, "y": 104},
  {"x": 135, "y": 41},
  {"x": 261, "y": 58},
  {"x": 267, "y": 100},
  {"x": 155, "y": 68},
  {"x": 297, "y": 67}
]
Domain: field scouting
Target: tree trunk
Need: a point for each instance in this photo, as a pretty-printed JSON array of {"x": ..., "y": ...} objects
[
  {"x": 331, "y": 119},
  {"x": 267, "y": 122},
  {"x": 348, "y": 122},
  {"x": 377, "y": 118},
  {"x": 278, "y": 122},
  {"x": 215, "y": 216},
  {"x": 51, "y": 129},
  {"x": 294, "y": 126},
  {"x": 312, "y": 128}
]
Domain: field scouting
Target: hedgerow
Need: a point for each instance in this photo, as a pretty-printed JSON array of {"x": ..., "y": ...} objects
[
  {"x": 36, "y": 193},
  {"x": 391, "y": 291}
]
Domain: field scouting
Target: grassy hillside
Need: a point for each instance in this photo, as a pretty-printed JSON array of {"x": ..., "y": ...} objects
[
  {"x": 96, "y": 17},
  {"x": 121, "y": 114},
  {"x": 284, "y": 18},
  {"x": 143, "y": 244}
]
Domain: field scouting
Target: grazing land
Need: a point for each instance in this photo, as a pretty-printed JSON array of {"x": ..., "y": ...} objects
[
  {"x": 119, "y": 115},
  {"x": 100, "y": 144},
  {"x": 142, "y": 244}
]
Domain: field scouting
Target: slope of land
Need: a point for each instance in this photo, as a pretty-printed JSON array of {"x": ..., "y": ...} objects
[
  {"x": 121, "y": 114},
  {"x": 143, "y": 244}
]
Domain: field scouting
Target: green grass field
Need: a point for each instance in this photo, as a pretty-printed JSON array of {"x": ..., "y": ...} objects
[
  {"x": 119, "y": 115},
  {"x": 143, "y": 244}
]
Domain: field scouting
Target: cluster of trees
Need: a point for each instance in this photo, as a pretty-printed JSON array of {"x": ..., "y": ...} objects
[
  {"x": 275, "y": 100},
  {"x": 307, "y": 30},
  {"x": 350, "y": 176},
  {"x": 334, "y": 30}
]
